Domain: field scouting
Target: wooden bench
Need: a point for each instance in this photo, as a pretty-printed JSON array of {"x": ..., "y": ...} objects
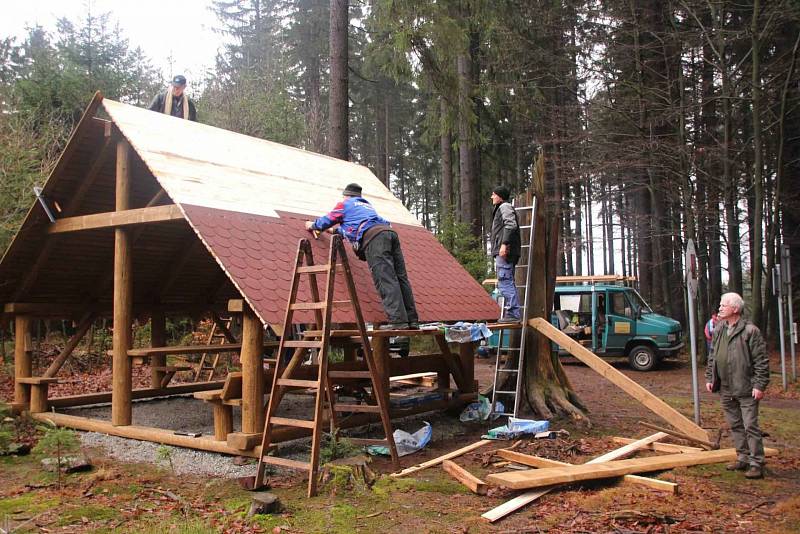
[
  {"x": 38, "y": 386},
  {"x": 222, "y": 401}
]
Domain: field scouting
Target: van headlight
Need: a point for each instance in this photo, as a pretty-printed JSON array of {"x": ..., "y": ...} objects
[{"x": 672, "y": 338}]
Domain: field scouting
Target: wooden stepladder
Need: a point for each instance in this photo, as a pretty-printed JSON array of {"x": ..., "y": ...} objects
[
  {"x": 220, "y": 333},
  {"x": 282, "y": 378}
]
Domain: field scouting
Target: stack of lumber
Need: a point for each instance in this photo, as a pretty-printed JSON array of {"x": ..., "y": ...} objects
[{"x": 611, "y": 465}]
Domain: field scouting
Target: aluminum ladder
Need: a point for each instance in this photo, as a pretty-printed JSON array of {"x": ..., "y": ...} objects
[{"x": 501, "y": 372}]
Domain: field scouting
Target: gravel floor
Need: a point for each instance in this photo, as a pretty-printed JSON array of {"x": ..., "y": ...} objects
[{"x": 191, "y": 415}]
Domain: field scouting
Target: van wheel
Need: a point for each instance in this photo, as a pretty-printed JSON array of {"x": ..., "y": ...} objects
[{"x": 642, "y": 358}]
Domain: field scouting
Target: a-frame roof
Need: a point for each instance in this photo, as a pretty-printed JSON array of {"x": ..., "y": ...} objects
[{"x": 245, "y": 201}]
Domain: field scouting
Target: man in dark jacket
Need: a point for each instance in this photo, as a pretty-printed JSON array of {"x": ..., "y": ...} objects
[
  {"x": 506, "y": 248},
  {"x": 174, "y": 101},
  {"x": 738, "y": 367},
  {"x": 375, "y": 241}
]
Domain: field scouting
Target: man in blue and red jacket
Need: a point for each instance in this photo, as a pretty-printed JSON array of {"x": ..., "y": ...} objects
[{"x": 374, "y": 240}]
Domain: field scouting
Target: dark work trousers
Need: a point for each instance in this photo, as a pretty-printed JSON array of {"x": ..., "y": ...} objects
[
  {"x": 388, "y": 268},
  {"x": 742, "y": 416}
]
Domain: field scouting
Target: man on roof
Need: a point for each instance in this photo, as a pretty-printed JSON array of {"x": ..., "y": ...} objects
[
  {"x": 174, "y": 101},
  {"x": 374, "y": 240}
]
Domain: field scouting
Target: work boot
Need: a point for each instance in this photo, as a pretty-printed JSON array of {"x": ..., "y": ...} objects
[
  {"x": 738, "y": 465},
  {"x": 508, "y": 320},
  {"x": 393, "y": 326},
  {"x": 754, "y": 471}
]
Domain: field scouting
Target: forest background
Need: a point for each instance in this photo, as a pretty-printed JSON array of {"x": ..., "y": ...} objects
[{"x": 659, "y": 121}]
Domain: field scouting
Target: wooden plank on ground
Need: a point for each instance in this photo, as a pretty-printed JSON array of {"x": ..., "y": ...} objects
[
  {"x": 440, "y": 459},
  {"x": 655, "y": 404},
  {"x": 658, "y": 446},
  {"x": 549, "y": 476},
  {"x": 537, "y": 461},
  {"x": 474, "y": 484},
  {"x": 528, "y": 497}
]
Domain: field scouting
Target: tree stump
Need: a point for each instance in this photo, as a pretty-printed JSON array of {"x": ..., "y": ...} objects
[
  {"x": 264, "y": 503},
  {"x": 347, "y": 474}
]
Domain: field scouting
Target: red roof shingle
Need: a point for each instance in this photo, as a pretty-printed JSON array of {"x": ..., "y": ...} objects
[{"x": 257, "y": 253}]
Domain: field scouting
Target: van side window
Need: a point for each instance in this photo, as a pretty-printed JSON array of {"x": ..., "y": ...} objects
[{"x": 619, "y": 305}]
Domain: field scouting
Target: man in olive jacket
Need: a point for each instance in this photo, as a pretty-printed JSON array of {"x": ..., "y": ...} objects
[
  {"x": 738, "y": 367},
  {"x": 506, "y": 247}
]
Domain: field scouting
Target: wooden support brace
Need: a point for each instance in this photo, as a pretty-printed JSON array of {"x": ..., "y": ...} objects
[
  {"x": 655, "y": 404},
  {"x": 472, "y": 482},
  {"x": 83, "y": 327}
]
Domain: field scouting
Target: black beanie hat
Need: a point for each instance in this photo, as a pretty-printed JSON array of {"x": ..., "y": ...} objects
[
  {"x": 502, "y": 191},
  {"x": 352, "y": 190}
]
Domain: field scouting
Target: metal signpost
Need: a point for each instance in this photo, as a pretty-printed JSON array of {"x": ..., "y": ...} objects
[
  {"x": 777, "y": 289},
  {"x": 692, "y": 275},
  {"x": 787, "y": 276}
]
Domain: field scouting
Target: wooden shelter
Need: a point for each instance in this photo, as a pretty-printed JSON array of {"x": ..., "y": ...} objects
[{"x": 157, "y": 216}]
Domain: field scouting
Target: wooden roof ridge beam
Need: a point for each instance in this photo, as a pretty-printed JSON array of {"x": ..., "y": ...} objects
[
  {"x": 629, "y": 386},
  {"x": 116, "y": 219},
  {"x": 548, "y": 476}
]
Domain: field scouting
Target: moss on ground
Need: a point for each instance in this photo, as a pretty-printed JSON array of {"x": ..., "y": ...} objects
[
  {"x": 88, "y": 513},
  {"x": 29, "y": 504},
  {"x": 446, "y": 486}
]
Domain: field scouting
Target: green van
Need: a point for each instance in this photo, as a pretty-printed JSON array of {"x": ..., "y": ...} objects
[{"x": 615, "y": 320}]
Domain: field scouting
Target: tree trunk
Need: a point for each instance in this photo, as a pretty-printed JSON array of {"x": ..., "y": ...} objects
[
  {"x": 466, "y": 140},
  {"x": 758, "y": 191},
  {"x": 338, "y": 136},
  {"x": 446, "y": 149},
  {"x": 547, "y": 387}
]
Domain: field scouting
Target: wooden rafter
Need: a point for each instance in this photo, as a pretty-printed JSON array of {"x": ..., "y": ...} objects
[
  {"x": 116, "y": 219},
  {"x": 75, "y": 200}
]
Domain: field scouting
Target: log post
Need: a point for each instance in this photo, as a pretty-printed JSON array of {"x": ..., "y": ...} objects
[
  {"x": 158, "y": 338},
  {"x": 381, "y": 356},
  {"x": 466, "y": 353},
  {"x": 23, "y": 366},
  {"x": 122, "y": 381},
  {"x": 252, "y": 372}
]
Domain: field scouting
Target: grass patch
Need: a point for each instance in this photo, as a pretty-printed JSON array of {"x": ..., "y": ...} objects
[
  {"x": 90, "y": 512},
  {"x": 28, "y": 503},
  {"x": 336, "y": 519},
  {"x": 176, "y": 526}
]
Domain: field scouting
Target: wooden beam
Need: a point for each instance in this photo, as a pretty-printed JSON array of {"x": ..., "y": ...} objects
[
  {"x": 252, "y": 373},
  {"x": 23, "y": 363},
  {"x": 528, "y": 497},
  {"x": 549, "y": 476},
  {"x": 194, "y": 349},
  {"x": 83, "y": 327},
  {"x": 658, "y": 446},
  {"x": 145, "y": 393},
  {"x": 656, "y": 405},
  {"x": 536, "y": 461},
  {"x": 440, "y": 459},
  {"x": 122, "y": 380},
  {"x": 472, "y": 482},
  {"x": 143, "y": 433},
  {"x": 158, "y": 338},
  {"x": 116, "y": 219}
]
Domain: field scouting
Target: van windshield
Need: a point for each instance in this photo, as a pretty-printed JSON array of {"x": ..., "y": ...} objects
[{"x": 639, "y": 302}]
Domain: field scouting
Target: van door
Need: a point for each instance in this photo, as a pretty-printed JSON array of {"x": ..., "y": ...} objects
[{"x": 620, "y": 322}]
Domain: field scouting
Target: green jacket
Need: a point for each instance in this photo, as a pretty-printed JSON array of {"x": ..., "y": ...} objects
[{"x": 748, "y": 363}]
